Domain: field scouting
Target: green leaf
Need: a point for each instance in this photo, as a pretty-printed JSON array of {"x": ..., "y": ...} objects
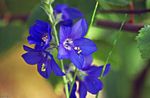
[{"x": 143, "y": 40}]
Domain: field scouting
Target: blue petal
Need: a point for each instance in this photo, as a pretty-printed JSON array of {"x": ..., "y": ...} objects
[
  {"x": 87, "y": 46},
  {"x": 64, "y": 33},
  {"x": 32, "y": 57},
  {"x": 87, "y": 61},
  {"x": 94, "y": 71},
  {"x": 76, "y": 59},
  {"x": 93, "y": 84},
  {"x": 107, "y": 69},
  {"x": 26, "y": 48},
  {"x": 33, "y": 40},
  {"x": 73, "y": 93},
  {"x": 72, "y": 13},
  {"x": 79, "y": 29},
  {"x": 59, "y": 7},
  {"x": 42, "y": 26},
  {"x": 66, "y": 23},
  {"x": 62, "y": 52},
  {"x": 47, "y": 68},
  {"x": 82, "y": 90},
  {"x": 56, "y": 68}
]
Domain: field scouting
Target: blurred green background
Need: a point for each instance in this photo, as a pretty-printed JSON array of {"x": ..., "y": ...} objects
[{"x": 130, "y": 73}]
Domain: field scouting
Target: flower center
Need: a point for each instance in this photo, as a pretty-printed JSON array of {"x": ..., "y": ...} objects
[
  {"x": 43, "y": 68},
  {"x": 68, "y": 43},
  {"x": 45, "y": 37},
  {"x": 78, "y": 50}
]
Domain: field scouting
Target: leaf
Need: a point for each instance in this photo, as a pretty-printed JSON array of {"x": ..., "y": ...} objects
[{"x": 143, "y": 40}]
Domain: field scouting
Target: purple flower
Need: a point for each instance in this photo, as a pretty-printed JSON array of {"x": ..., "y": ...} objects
[
  {"x": 44, "y": 60},
  {"x": 68, "y": 14},
  {"x": 88, "y": 79},
  {"x": 40, "y": 33},
  {"x": 73, "y": 45}
]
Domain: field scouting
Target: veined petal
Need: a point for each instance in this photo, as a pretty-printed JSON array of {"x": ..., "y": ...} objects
[
  {"x": 94, "y": 70},
  {"x": 62, "y": 52},
  {"x": 32, "y": 57},
  {"x": 87, "y": 61},
  {"x": 82, "y": 90},
  {"x": 57, "y": 71},
  {"x": 72, "y": 13},
  {"x": 93, "y": 84},
  {"x": 64, "y": 32},
  {"x": 44, "y": 69},
  {"x": 107, "y": 69},
  {"x": 79, "y": 29},
  {"x": 76, "y": 59},
  {"x": 87, "y": 46}
]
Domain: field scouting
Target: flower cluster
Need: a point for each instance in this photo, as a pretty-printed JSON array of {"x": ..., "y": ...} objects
[{"x": 72, "y": 46}]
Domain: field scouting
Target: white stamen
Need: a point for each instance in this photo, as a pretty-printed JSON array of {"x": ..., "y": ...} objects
[{"x": 43, "y": 68}]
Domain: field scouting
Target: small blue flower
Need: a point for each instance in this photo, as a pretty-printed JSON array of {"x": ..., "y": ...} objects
[
  {"x": 68, "y": 14},
  {"x": 44, "y": 60},
  {"x": 73, "y": 45},
  {"x": 40, "y": 33},
  {"x": 88, "y": 79}
]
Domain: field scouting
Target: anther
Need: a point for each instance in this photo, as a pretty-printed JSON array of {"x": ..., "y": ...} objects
[{"x": 43, "y": 68}]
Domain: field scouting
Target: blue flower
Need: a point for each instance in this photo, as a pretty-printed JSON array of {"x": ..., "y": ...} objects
[
  {"x": 68, "y": 14},
  {"x": 40, "y": 33},
  {"x": 73, "y": 45},
  {"x": 44, "y": 60},
  {"x": 88, "y": 79}
]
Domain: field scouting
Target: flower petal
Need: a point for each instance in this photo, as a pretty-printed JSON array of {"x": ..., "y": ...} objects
[
  {"x": 87, "y": 46},
  {"x": 62, "y": 52},
  {"x": 32, "y": 40},
  {"x": 32, "y": 57},
  {"x": 64, "y": 32},
  {"x": 76, "y": 59},
  {"x": 79, "y": 29},
  {"x": 87, "y": 61},
  {"x": 72, "y": 13},
  {"x": 93, "y": 84},
  {"x": 94, "y": 70},
  {"x": 82, "y": 90},
  {"x": 44, "y": 69},
  {"x": 57, "y": 71},
  {"x": 59, "y": 7},
  {"x": 26, "y": 48},
  {"x": 107, "y": 69},
  {"x": 73, "y": 92}
]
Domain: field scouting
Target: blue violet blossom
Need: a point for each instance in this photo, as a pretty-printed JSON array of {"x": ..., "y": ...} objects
[
  {"x": 73, "y": 45},
  {"x": 88, "y": 78},
  {"x": 40, "y": 33},
  {"x": 44, "y": 60},
  {"x": 68, "y": 14}
]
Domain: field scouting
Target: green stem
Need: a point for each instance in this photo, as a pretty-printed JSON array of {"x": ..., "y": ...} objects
[
  {"x": 114, "y": 44},
  {"x": 94, "y": 13},
  {"x": 53, "y": 22},
  {"x": 74, "y": 78},
  {"x": 110, "y": 53}
]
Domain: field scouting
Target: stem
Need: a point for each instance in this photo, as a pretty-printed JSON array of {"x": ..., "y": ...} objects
[
  {"x": 53, "y": 22},
  {"x": 74, "y": 78},
  {"x": 110, "y": 53},
  {"x": 94, "y": 13}
]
